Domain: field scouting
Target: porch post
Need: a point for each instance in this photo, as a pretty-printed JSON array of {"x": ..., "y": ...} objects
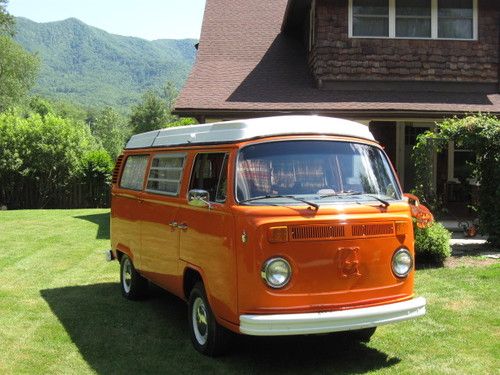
[{"x": 400, "y": 151}]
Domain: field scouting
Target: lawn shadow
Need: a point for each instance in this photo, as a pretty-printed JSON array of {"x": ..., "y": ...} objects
[
  {"x": 114, "y": 335},
  {"x": 102, "y": 221}
]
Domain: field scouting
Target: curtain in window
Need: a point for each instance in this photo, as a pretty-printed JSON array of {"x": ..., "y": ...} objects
[
  {"x": 133, "y": 173},
  {"x": 257, "y": 174},
  {"x": 455, "y": 19},
  {"x": 370, "y": 17},
  {"x": 413, "y": 18}
]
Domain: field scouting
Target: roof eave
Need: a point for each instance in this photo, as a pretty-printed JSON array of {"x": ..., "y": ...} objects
[{"x": 343, "y": 113}]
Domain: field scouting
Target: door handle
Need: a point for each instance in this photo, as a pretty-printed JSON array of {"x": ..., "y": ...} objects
[
  {"x": 182, "y": 226},
  {"x": 173, "y": 224}
]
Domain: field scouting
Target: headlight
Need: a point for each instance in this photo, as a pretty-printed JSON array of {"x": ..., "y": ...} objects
[
  {"x": 402, "y": 262},
  {"x": 276, "y": 272}
]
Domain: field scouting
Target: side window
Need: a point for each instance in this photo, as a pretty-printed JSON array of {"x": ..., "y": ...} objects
[
  {"x": 166, "y": 173},
  {"x": 133, "y": 172},
  {"x": 210, "y": 174}
]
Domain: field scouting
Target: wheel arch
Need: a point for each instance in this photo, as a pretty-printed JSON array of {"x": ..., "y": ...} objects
[
  {"x": 191, "y": 276},
  {"x": 123, "y": 250}
]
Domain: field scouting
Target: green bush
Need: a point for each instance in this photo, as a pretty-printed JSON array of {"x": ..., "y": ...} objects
[
  {"x": 97, "y": 165},
  {"x": 97, "y": 170},
  {"x": 40, "y": 156},
  {"x": 432, "y": 244}
]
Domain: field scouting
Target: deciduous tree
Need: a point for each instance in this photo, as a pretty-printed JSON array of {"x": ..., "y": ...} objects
[
  {"x": 111, "y": 130},
  {"x": 151, "y": 114},
  {"x": 7, "y": 24},
  {"x": 18, "y": 70}
]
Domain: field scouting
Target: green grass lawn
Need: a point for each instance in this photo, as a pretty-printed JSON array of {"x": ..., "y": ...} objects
[{"x": 61, "y": 312}]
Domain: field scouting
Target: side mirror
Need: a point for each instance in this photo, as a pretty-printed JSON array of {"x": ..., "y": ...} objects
[
  {"x": 412, "y": 199},
  {"x": 422, "y": 215},
  {"x": 198, "y": 198}
]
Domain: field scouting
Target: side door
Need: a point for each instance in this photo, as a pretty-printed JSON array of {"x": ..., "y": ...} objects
[
  {"x": 159, "y": 233},
  {"x": 207, "y": 233},
  {"x": 126, "y": 207}
]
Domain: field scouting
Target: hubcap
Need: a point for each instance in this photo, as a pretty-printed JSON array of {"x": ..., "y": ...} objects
[
  {"x": 200, "y": 325},
  {"x": 127, "y": 275}
]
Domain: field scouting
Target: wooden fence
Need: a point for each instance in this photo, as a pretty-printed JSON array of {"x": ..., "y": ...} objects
[{"x": 77, "y": 195}]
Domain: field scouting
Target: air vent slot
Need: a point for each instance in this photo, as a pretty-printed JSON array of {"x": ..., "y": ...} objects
[
  {"x": 116, "y": 169},
  {"x": 318, "y": 232},
  {"x": 384, "y": 229}
]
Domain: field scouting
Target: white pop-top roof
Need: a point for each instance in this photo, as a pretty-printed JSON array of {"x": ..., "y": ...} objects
[{"x": 239, "y": 130}]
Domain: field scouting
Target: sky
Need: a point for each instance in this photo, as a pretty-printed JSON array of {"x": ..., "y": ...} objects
[{"x": 148, "y": 19}]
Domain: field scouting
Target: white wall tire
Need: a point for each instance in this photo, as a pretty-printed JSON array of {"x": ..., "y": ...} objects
[
  {"x": 207, "y": 336},
  {"x": 133, "y": 285}
]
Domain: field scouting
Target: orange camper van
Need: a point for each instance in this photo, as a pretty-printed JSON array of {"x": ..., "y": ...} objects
[{"x": 284, "y": 225}]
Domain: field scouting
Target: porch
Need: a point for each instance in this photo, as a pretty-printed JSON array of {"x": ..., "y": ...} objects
[{"x": 451, "y": 175}]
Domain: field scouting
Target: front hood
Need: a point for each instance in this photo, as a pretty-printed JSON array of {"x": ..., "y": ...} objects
[{"x": 340, "y": 256}]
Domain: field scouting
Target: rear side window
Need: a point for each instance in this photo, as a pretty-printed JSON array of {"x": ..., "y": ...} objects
[
  {"x": 134, "y": 171},
  {"x": 210, "y": 174},
  {"x": 166, "y": 173}
]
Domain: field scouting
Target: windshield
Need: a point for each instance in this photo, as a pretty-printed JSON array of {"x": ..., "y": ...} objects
[{"x": 316, "y": 171}]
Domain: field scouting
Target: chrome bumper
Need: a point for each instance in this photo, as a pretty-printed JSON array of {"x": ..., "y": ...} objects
[
  {"x": 331, "y": 321},
  {"x": 109, "y": 255}
]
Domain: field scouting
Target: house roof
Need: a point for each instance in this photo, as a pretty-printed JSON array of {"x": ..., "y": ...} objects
[{"x": 247, "y": 66}]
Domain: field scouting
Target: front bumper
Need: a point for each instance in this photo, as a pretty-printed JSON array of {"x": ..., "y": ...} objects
[{"x": 331, "y": 321}]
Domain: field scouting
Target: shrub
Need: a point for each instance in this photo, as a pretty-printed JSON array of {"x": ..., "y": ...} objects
[
  {"x": 432, "y": 244},
  {"x": 40, "y": 156},
  {"x": 97, "y": 167}
]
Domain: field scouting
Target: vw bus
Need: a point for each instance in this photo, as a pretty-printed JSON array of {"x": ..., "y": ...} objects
[{"x": 285, "y": 225}]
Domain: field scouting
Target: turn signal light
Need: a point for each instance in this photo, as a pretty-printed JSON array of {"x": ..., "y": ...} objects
[
  {"x": 401, "y": 228},
  {"x": 277, "y": 234}
]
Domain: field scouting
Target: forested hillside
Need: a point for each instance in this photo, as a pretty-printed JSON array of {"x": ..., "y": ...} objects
[{"x": 90, "y": 67}]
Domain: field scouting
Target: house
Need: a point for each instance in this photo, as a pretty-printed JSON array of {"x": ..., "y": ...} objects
[{"x": 395, "y": 65}]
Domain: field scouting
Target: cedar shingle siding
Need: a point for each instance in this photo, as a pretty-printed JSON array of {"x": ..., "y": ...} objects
[
  {"x": 248, "y": 65},
  {"x": 337, "y": 57}
]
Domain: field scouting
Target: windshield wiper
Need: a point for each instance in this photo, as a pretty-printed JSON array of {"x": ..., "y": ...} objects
[
  {"x": 270, "y": 196},
  {"x": 351, "y": 193},
  {"x": 384, "y": 202}
]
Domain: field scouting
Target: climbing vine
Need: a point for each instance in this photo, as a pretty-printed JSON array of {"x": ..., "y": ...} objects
[{"x": 481, "y": 134}]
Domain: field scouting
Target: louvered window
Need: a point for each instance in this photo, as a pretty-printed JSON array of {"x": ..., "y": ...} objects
[{"x": 166, "y": 173}]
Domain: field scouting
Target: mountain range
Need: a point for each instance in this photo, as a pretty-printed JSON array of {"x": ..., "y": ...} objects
[{"x": 91, "y": 67}]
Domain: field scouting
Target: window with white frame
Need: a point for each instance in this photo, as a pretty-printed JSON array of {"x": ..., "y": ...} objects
[
  {"x": 370, "y": 17},
  {"x": 421, "y": 19},
  {"x": 413, "y": 18},
  {"x": 165, "y": 174},
  {"x": 456, "y": 19},
  {"x": 312, "y": 24}
]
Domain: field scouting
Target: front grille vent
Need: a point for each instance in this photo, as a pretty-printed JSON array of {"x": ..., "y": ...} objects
[
  {"x": 372, "y": 229},
  {"x": 116, "y": 170},
  {"x": 307, "y": 232}
]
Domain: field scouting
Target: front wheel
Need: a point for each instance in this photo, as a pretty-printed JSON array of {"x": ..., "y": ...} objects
[
  {"x": 207, "y": 336},
  {"x": 133, "y": 285}
]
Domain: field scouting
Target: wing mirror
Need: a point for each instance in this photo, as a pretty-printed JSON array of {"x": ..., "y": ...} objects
[
  {"x": 422, "y": 215},
  {"x": 412, "y": 199},
  {"x": 199, "y": 198}
]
